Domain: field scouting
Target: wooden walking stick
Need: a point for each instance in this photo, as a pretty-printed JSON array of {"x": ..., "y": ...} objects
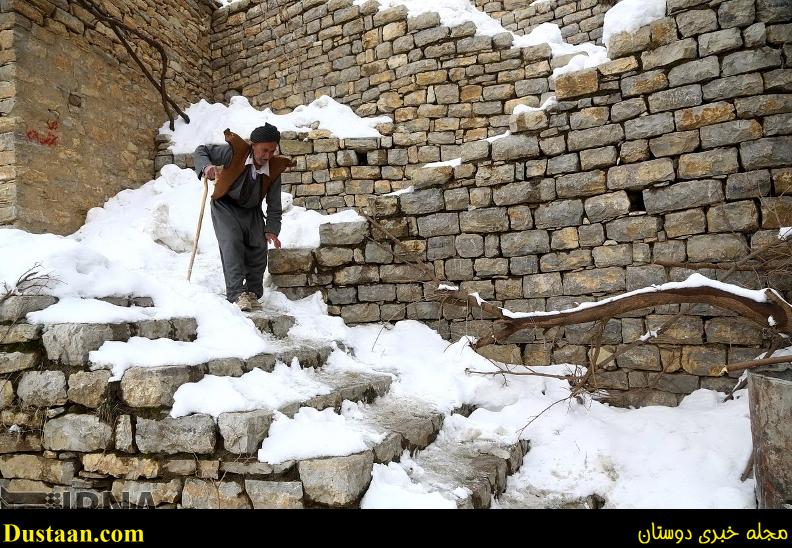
[{"x": 200, "y": 221}]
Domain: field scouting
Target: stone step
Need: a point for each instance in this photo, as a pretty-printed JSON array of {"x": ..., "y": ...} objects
[
  {"x": 274, "y": 323},
  {"x": 14, "y": 309},
  {"x": 479, "y": 467},
  {"x": 70, "y": 343},
  {"x": 211, "y": 450},
  {"x": 531, "y": 498},
  {"x": 243, "y": 432},
  {"x": 154, "y": 387},
  {"x": 342, "y": 481},
  {"x": 330, "y": 481}
]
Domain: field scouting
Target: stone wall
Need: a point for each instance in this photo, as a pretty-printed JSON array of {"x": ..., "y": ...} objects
[
  {"x": 442, "y": 86},
  {"x": 677, "y": 151},
  {"x": 79, "y": 117},
  {"x": 579, "y": 20}
]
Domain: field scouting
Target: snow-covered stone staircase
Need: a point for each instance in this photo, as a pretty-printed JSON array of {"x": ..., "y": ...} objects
[{"x": 69, "y": 428}]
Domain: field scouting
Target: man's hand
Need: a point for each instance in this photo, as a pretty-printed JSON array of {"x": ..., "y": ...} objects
[
  {"x": 273, "y": 239},
  {"x": 210, "y": 171}
]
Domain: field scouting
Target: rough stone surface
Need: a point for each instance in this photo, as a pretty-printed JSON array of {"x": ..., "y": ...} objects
[
  {"x": 82, "y": 433},
  {"x": 42, "y": 388},
  {"x": 337, "y": 481},
  {"x": 191, "y": 434},
  {"x": 274, "y": 494},
  {"x": 243, "y": 432}
]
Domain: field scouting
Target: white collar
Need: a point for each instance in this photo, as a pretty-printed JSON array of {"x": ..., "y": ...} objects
[{"x": 263, "y": 169}]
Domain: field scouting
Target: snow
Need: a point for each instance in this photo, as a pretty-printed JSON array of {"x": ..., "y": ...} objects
[
  {"x": 784, "y": 232},
  {"x": 583, "y": 61},
  {"x": 139, "y": 244},
  {"x": 311, "y": 433},
  {"x": 456, "y": 12},
  {"x": 453, "y": 163},
  {"x": 391, "y": 487},
  {"x": 630, "y": 15},
  {"x": 254, "y": 390},
  {"x": 448, "y": 287},
  {"x": 548, "y": 103},
  {"x": 208, "y": 120},
  {"x": 496, "y": 137},
  {"x": 405, "y": 190},
  {"x": 76, "y": 310},
  {"x": 643, "y": 458}
]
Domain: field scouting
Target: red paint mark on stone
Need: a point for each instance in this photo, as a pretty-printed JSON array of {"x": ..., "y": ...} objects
[{"x": 50, "y": 139}]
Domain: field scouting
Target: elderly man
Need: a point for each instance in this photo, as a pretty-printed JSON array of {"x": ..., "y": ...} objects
[{"x": 239, "y": 223}]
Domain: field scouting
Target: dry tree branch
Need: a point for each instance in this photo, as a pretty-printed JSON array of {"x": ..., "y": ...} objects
[{"x": 120, "y": 29}]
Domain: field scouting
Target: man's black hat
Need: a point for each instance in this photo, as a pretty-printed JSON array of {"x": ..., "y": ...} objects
[{"x": 265, "y": 134}]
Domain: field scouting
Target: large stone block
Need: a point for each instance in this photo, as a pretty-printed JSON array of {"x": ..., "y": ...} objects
[
  {"x": 594, "y": 137},
  {"x": 763, "y": 153},
  {"x": 486, "y": 220},
  {"x": 274, "y": 494},
  {"x": 120, "y": 466},
  {"x": 577, "y": 84},
  {"x": 559, "y": 213},
  {"x": 607, "y": 206},
  {"x": 719, "y": 41},
  {"x": 147, "y": 493},
  {"x": 192, "y": 434},
  {"x": 675, "y": 98},
  {"x": 703, "y": 360},
  {"x": 704, "y": 115},
  {"x": 205, "y": 494},
  {"x": 649, "y": 126},
  {"x": 34, "y": 467},
  {"x": 11, "y": 362},
  {"x": 422, "y": 201},
  {"x": 750, "y": 61},
  {"x": 514, "y": 244},
  {"x": 88, "y": 388},
  {"x": 515, "y": 147},
  {"x": 290, "y": 261},
  {"x": 716, "y": 247},
  {"x": 640, "y": 175},
  {"x": 337, "y": 481},
  {"x": 629, "y": 229},
  {"x": 83, "y": 433},
  {"x": 42, "y": 388},
  {"x": 438, "y": 224},
  {"x": 730, "y": 133},
  {"x": 682, "y": 195},
  {"x": 719, "y": 161},
  {"x": 671, "y": 53},
  {"x": 71, "y": 343},
  {"x": 700, "y": 70},
  {"x": 735, "y": 216},
  {"x": 581, "y": 184},
  {"x": 343, "y": 233},
  {"x": 594, "y": 280},
  {"x": 155, "y": 386},
  {"x": 16, "y": 307}
]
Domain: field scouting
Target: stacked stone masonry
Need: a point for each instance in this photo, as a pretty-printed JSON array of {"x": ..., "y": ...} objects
[
  {"x": 579, "y": 20},
  {"x": 77, "y": 115},
  {"x": 677, "y": 151},
  {"x": 74, "y": 437}
]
